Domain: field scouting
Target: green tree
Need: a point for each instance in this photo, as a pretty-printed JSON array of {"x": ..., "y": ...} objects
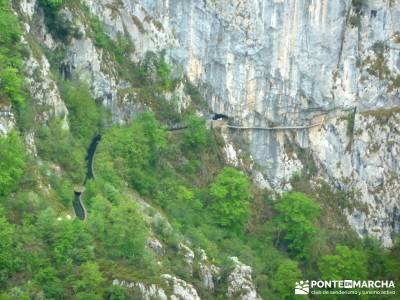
[
  {"x": 126, "y": 232},
  {"x": 11, "y": 33},
  {"x": 295, "y": 221},
  {"x": 88, "y": 296},
  {"x": 51, "y": 3},
  {"x": 344, "y": 264},
  {"x": 358, "y": 4},
  {"x": 393, "y": 262},
  {"x": 16, "y": 293},
  {"x": 90, "y": 278},
  {"x": 12, "y": 162},
  {"x": 121, "y": 229},
  {"x": 10, "y": 36},
  {"x": 154, "y": 132},
  {"x": 68, "y": 241},
  {"x": 285, "y": 278},
  {"x": 11, "y": 85},
  {"x": 117, "y": 293},
  {"x": 179, "y": 201},
  {"x": 85, "y": 115},
  {"x": 7, "y": 249},
  {"x": 164, "y": 74},
  {"x": 11, "y": 81},
  {"x": 56, "y": 143},
  {"x": 47, "y": 279},
  {"x": 134, "y": 152},
  {"x": 377, "y": 258},
  {"x": 229, "y": 195},
  {"x": 196, "y": 135}
]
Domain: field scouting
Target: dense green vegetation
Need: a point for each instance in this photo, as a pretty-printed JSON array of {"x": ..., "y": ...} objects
[
  {"x": 355, "y": 18},
  {"x": 11, "y": 80},
  {"x": 229, "y": 194},
  {"x": 195, "y": 136},
  {"x": 296, "y": 222},
  {"x": 46, "y": 253},
  {"x": 58, "y": 23},
  {"x": 344, "y": 263},
  {"x": 51, "y": 3},
  {"x": 287, "y": 273},
  {"x": 12, "y": 162},
  {"x": 67, "y": 147},
  {"x": 216, "y": 213},
  {"x": 358, "y": 4},
  {"x": 132, "y": 153},
  {"x": 7, "y": 261},
  {"x": 86, "y": 118}
]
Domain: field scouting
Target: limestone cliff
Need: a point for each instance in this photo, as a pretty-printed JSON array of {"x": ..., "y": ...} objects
[
  {"x": 309, "y": 87},
  {"x": 262, "y": 63},
  {"x": 292, "y": 63}
]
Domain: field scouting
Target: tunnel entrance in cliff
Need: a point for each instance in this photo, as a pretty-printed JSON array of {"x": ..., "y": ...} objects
[{"x": 218, "y": 116}]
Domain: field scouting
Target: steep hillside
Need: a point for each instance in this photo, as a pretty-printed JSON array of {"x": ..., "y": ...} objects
[{"x": 197, "y": 149}]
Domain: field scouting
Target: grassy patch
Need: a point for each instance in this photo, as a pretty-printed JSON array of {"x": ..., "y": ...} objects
[{"x": 382, "y": 115}]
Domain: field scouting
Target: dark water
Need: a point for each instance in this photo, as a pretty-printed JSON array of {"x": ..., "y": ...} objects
[
  {"x": 78, "y": 205},
  {"x": 80, "y": 210},
  {"x": 90, "y": 157}
]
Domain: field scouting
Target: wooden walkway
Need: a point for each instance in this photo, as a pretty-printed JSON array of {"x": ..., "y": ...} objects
[{"x": 276, "y": 128}]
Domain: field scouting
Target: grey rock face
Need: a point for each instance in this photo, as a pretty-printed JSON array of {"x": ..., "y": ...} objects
[
  {"x": 268, "y": 63},
  {"x": 188, "y": 256},
  {"x": 155, "y": 245},
  {"x": 88, "y": 63},
  {"x": 7, "y": 120},
  {"x": 41, "y": 84},
  {"x": 147, "y": 292},
  {"x": 280, "y": 62},
  {"x": 209, "y": 273},
  {"x": 240, "y": 282},
  {"x": 181, "y": 289},
  {"x": 366, "y": 162},
  {"x": 44, "y": 90}
]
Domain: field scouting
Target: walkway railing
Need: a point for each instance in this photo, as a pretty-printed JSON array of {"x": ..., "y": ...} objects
[{"x": 275, "y": 128}]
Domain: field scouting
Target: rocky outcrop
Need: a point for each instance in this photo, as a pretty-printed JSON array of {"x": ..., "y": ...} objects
[
  {"x": 90, "y": 64},
  {"x": 366, "y": 161},
  {"x": 208, "y": 272},
  {"x": 188, "y": 256},
  {"x": 146, "y": 292},
  {"x": 240, "y": 282},
  {"x": 43, "y": 89},
  {"x": 181, "y": 289},
  {"x": 155, "y": 245},
  {"x": 7, "y": 120}
]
